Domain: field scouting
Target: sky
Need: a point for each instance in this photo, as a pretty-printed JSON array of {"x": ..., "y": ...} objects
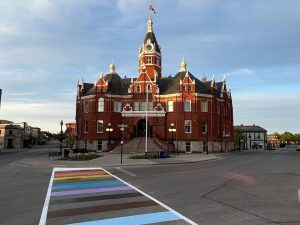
[{"x": 46, "y": 46}]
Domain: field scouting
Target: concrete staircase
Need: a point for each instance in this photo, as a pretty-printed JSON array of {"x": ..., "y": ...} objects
[{"x": 137, "y": 145}]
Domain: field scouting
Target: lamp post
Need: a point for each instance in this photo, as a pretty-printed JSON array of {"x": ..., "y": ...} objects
[
  {"x": 172, "y": 130},
  {"x": 61, "y": 137},
  {"x": 122, "y": 128},
  {"x": 109, "y": 129}
]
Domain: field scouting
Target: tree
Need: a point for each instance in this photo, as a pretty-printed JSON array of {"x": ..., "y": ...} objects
[
  {"x": 238, "y": 134},
  {"x": 297, "y": 138},
  {"x": 71, "y": 140},
  {"x": 287, "y": 137}
]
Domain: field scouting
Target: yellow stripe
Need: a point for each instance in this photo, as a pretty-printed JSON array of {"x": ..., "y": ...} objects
[{"x": 78, "y": 177}]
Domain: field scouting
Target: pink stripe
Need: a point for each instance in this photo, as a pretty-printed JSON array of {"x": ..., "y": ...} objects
[{"x": 94, "y": 190}]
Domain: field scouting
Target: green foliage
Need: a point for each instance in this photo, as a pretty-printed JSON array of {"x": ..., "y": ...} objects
[
  {"x": 297, "y": 138},
  {"x": 287, "y": 137},
  {"x": 238, "y": 134},
  {"x": 71, "y": 140},
  {"x": 84, "y": 157}
]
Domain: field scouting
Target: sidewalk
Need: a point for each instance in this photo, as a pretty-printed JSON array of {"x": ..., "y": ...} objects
[{"x": 109, "y": 159}]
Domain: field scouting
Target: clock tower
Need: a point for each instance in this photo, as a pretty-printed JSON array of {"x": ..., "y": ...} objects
[{"x": 150, "y": 54}]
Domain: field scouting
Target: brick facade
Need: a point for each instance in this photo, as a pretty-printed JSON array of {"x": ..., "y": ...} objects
[{"x": 183, "y": 100}]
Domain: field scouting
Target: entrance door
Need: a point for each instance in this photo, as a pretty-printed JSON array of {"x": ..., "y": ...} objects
[
  {"x": 9, "y": 143},
  {"x": 141, "y": 128}
]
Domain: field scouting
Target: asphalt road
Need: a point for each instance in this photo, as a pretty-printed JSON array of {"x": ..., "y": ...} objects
[
  {"x": 241, "y": 188},
  {"x": 250, "y": 188}
]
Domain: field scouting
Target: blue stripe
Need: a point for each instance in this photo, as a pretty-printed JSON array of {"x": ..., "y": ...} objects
[
  {"x": 135, "y": 220},
  {"x": 82, "y": 185}
]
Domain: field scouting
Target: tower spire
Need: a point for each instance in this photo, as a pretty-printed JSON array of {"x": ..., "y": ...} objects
[{"x": 150, "y": 25}]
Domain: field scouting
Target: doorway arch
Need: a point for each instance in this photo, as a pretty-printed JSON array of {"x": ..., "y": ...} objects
[{"x": 141, "y": 128}]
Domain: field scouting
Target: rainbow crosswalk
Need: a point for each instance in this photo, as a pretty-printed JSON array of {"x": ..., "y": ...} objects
[{"x": 93, "y": 196}]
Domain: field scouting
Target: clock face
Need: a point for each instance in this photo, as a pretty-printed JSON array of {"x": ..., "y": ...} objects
[{"x": 149, "y": 47}]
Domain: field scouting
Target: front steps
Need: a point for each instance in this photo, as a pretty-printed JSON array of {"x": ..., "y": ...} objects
[{"x": 137, "y": 145}]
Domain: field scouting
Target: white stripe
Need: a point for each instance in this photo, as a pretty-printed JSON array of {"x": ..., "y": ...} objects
[
  {"x": 47, "y": 200},
  {"x": 155, "y": 200},
  {"x": 125, "y": 171}
]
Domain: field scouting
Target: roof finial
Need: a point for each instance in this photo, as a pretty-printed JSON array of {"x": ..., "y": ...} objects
[
  {"x": 213, "y": 81},
  {"x": 183, "y": 66},
  {"x": 112, "y": 68},
  {"x": 150, "y": 25},
  {"x": 224, "y": 78}
]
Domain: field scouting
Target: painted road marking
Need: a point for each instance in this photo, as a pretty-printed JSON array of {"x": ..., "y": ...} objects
[
  {"x": 90, "y": 196},
  {"x": 135, "y": 220},
  {"x": 125, "y": 171}
]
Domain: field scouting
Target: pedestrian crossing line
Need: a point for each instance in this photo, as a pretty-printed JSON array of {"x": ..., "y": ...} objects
[
  {"x": 135, "y": 220},
  {"x": 90, "y": 196}
]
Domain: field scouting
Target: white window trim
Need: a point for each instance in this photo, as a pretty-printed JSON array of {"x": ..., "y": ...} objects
[
  {"x": 119, "y": 104},
  {"x": 101, "y": 121},
  {"x": 168, "y": 108},
  {"x": 190, "y": 109},
  {"x": 101, "y": 100},
  {"x": 190, "y": 127}
]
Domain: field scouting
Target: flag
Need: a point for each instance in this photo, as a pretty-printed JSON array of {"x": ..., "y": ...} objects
[{"x": 151, "y": 8}]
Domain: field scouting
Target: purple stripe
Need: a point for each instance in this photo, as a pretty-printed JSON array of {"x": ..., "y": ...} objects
[{"x": 94, "y": 190}]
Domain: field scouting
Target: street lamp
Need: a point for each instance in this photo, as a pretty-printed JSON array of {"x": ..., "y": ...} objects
[
  {"x": 61, "y": 137},
  {"x": 109, "y": 129},
  {"x": 172, "y": 130},
  {"x": 122, "y": 142}
]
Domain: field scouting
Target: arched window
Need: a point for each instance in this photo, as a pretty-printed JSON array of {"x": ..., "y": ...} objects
[
  {"x": 138, "y": 89},
  {"x": 100, "y": 105}
]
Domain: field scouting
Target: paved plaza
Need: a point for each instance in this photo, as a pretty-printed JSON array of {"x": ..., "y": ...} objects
[{"x": 247, "y": 187}]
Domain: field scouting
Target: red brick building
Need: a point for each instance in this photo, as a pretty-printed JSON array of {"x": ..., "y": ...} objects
[{"x": 200, "y": 110}]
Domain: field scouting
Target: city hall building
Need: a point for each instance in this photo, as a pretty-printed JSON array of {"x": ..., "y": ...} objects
[{"x": 188, "y": 113}]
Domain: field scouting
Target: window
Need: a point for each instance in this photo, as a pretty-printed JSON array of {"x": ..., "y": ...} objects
[
  {"x": 170, "y": 106},
  {"x": 100, "y": 126},
  {"x": 85, "y": 107},
  {"x": 183, "y": 88},
  {"x": 143, "y": 106},
  {"x": 204, "y": 106},
  {"x": 117, "y": 106},
  {"x": 136, "y": 106},
  {"x": 138, "y": 89},
  {"x": 187, "y": 126},
  {"x": 190, "y": 87},
  {"x": 100, "y": 146},
  {"x": 187, "y": 105},
  {"x": 188, "y": 147},
  {"x": 85, "y": 126},
  {"x": 0, "y": 131},
  {"x": 148, "y": 87},
  {"x": 150, "y": 106},
  {"x": 10, "y": 132},
  {"x": 148, "y": 60},
  {"x": 204, "y": 127},
  {"x": 100, "y": 105},
  {"x": 218, "y": 109}
]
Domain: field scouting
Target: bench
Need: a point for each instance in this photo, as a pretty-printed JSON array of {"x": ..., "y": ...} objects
[{"x": 53, "y": 154}]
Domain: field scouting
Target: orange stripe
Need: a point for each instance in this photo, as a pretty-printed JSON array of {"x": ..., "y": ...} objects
[
  {"x": 78, "y": 177},
  {"x": 80, "y": 173}
]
